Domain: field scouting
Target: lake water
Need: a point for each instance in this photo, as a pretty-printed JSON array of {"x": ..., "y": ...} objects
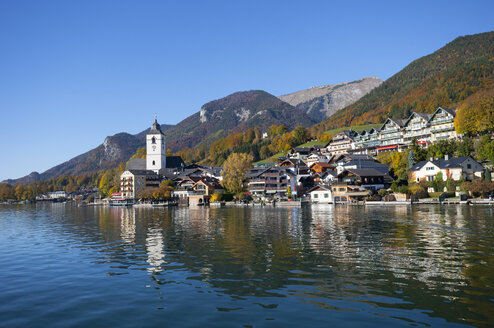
[{"x": 320, "y": 266}]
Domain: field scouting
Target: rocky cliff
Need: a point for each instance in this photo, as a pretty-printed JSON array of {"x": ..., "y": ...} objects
[{"x": 322, "y": 102}]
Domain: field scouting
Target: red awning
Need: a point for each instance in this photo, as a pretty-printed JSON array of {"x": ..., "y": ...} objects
[
  {"x": 422, "y": 142},
  {"x": 387, "y": 147}
]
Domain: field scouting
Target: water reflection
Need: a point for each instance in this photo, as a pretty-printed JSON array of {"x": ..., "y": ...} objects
[{"x": 384, "y": 261}]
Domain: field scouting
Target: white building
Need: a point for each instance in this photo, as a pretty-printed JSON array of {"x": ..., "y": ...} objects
[
  {"x": 457, "y": 168},
  {"x": 142, "y": 173},
  {"x": 322, "y": 195},
  {"x": 155, "y": 148},
  {"x": 442, "y": 124}
]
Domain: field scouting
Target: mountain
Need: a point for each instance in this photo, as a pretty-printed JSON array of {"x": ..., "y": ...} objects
[
  {"x": 444, "y": 78},
  {"x": 322, "y": 102},
  {"x": 114, "y": 150},
  {"x": 218, "y": 118},
  {"x": 232, "y": 114}
]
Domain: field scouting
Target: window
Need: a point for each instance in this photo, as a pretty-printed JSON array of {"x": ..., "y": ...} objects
[
  {"x": 153, "y": 163},
  {"x": 315, "y": 195},
  {"x": 469, "y": 166},
  {"x": 325, "y": 195},
  {"x": 153, "y": 140}
]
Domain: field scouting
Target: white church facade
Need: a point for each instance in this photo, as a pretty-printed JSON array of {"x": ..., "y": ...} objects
[{"x": 142, "y": 173}]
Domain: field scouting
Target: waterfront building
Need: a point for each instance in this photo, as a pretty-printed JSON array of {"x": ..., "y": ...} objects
[
  {"x": 343, "y": 192},
  {"x": 271, "y": 181},
  {"x": 458, "y": 168},
  {"x": 369, "y": 179},
  {"x": 442, "y": 124},
  {"x": 142, "y": 173},
  {"x": 321, "y": 194},
  {"x": 417, "y": 127},
  {"x": 133, "y": 181}
]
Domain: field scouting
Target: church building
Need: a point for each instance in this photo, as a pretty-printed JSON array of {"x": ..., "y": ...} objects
[{"x": 142, "y": 173}]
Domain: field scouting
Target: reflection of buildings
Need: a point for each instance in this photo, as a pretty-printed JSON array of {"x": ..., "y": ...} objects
[
  {"x": 155, "y": 249},
  {"x": 128, "y": 225}
]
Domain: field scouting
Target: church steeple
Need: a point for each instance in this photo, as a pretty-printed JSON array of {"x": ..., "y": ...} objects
[{"x": 155, "y": 147}]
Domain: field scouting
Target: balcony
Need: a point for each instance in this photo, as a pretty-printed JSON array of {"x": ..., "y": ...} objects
[
  {"x": 449, "y": 128},
  {"x": 263, "y": 181},
  {"x": 391, "y": 137},
  {"x": 444, "y": 120},
  {"x": 444, "y": 137}
]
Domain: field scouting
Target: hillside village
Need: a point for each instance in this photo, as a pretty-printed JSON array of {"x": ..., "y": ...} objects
[{"x": 345, "y": 169}]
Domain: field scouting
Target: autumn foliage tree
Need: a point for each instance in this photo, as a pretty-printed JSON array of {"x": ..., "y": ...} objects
[
  {"x": 476, "y": 114},
  {"x": 234, "y": 170}
]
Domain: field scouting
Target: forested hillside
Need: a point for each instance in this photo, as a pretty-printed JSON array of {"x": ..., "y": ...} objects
[{"x": 444, "y": 78}]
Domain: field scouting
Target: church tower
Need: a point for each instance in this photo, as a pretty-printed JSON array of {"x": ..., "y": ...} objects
[{"x": 155, "y": 148}]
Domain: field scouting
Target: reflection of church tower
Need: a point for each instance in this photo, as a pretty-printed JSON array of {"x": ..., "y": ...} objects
[
  {"x": 155, "y": 247},
  {"x": 155, "y": 148}
]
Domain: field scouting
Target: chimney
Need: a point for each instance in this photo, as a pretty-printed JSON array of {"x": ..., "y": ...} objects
[
  {"x": 431, "y": 159},
  {"x": 446, "y": 157}
]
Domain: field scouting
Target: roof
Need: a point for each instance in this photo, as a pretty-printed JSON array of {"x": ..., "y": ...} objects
[
  {"x": 143, "y": 172},
  {"x": 424, "y": 116},
  {"x": 451, "y": 163},
  {"x": 450, "y": 111},
  {"x": 319, "y": 187},
  {"x": 368, "y": 172},
  {"x": 302, "y": 149},
  {"x": 174, "y": 162},
  {"x": 351, "y": 157},
  {"x": 136, "y": 164},
  {"x": 294, "y": 162},
  {"x": 155, "y": 128},
  {"x": 398, "y": 121},
  {"x": 323, "y": 164}
]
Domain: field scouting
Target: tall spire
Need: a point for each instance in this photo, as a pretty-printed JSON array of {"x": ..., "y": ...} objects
[{"x": 155, "y": 128}]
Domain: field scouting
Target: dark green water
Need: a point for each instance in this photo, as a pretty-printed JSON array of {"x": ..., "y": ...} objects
[{"x": 324, "y": 266}]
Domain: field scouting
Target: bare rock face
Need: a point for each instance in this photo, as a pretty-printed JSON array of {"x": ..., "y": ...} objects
[{"x": 322, "y": 102}]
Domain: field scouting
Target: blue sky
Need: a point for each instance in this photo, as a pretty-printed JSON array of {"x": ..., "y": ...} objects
[{"x": 74, "y": 72}]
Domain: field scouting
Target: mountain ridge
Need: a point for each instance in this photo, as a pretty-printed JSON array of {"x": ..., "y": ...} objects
[{"x": 323, "y": 101}]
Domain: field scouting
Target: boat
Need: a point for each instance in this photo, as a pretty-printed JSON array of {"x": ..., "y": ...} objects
[{"x": 117, "y": 199}]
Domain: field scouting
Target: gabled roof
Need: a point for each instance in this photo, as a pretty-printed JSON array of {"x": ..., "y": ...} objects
[
  {"x": 210, "y": 182},
  {"x": 370, "y": 172},
  {"x": 349, "y": 133},
  {"x": 257, "y": 171},
  {"x": 292, "y": 162},
  {"x": 324, "y": 164},
  {"x": 451, "y": 163},
  {"x": 447, "y": 110},
  {"x": 319, "y": 187},
  {"x": 424, "y": 116},
  {"x": 352, "y": 157},
  {"x": 397, "y": 121}
]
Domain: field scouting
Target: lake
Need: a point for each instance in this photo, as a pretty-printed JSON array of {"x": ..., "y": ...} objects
[{"x": 316, "y": 266}]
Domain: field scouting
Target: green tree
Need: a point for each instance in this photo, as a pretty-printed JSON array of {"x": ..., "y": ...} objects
[
  {"x": 299, "y": 135},
  {"x": 487, "y": 175},
  {"x": 234, "y": 170}
]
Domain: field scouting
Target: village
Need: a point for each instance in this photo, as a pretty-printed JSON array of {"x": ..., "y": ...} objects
[{"x": 344, "y": 170}]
